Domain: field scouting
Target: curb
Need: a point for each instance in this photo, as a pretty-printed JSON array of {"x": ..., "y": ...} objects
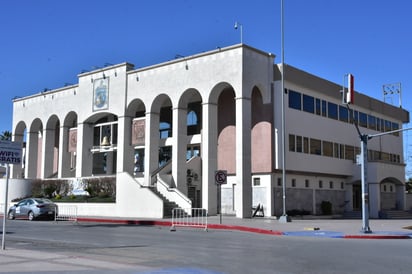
[{"x": 305, "y": 233}]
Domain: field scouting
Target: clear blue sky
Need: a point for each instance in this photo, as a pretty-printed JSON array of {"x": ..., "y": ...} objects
[{"x": 46, "y": 43}]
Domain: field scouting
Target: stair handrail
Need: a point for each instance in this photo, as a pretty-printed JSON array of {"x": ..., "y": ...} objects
[{"x": 179, "y": 198}]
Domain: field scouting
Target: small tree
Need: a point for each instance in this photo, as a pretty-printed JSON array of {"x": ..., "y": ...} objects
[{"x": 5, "y": 136}]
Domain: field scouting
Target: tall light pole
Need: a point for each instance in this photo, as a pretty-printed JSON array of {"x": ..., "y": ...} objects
[
  {"x": 284, "y": 218},
  {"x": 240, "y": 26}
]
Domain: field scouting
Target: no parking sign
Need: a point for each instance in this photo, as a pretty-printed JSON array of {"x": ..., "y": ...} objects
[{"x": 221, "y": 177}]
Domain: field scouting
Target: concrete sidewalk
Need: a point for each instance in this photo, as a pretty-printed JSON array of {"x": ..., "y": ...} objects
[{"x": 313, "y": 227}]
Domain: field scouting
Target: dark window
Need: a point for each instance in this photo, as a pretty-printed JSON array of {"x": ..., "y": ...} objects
[
  {"x": 308, "y": 103},
  {"x": 372, "y": 122},
  {"x": 306, "y": 183},
  {"x": 315, "y": 146},
  {"x": 349, "y": 153},
  {"x": 332, "y": 110},
  {"x": 317, "y": 107},
  {"x": 295, "y": 100},
  {"x": 305, "y": 144},
  {"x": 327, "y": 149},
  {"x": 363, "y": 119},
  {"x": 388, "y": 126},
  {"x": 292, "y": 146},
  {"x": 298, "y": 143},
  {"x": 395, "y": 126},
  {"x": 343, "y": 114},
  {"x": 324, "y": 112},
  {"x": 378, "y": 124}
]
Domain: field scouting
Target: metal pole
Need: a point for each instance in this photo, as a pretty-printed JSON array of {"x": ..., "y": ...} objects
[
  {"x": 6, "y": 190},
  {"x": 284, "y": 218},
  {"x": 365, "y": 190}
]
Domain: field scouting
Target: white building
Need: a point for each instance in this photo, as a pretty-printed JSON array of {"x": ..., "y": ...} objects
[{"x": 171, "y": 126}]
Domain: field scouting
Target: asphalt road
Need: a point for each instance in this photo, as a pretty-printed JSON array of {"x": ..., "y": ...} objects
[{"x": 112, "y": 248}]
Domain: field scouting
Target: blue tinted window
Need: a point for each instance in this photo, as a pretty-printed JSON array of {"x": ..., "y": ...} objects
[
  {"x": 295, "y": 100},
  {"x": 332, "y": 110},
  {"x": 372, "y": 122},
  {"x": 363, "y": 119},
  {"x": 308, "y": 103},
  {"x": 343, "y": 114},
  {"x": 324, "y": 108},
  {"x": 317, "y": 106}
]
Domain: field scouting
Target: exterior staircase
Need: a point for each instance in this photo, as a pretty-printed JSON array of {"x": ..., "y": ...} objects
[
  {"x": 168, "y": 206},
  {"x": 352, "y": 215},
  {"x": 384, "y": 214},
  {"x": 395, "y": 214}
]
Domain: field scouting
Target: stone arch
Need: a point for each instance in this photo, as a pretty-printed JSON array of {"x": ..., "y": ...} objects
[
  {"x": 34, "y": 149},
  {"x": 50, "y": 143},
  {"x": 136, "y": 111},
  {"x": 19, "y": 135},
  {"x": 391, "y": 194},
  {"x": 226, "y": 127},
  {"x": 261, "y": 138},
  {"x": 68, "y": 148}
]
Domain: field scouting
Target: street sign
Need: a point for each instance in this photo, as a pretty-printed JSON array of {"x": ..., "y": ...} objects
[
  {"x": 221, "y": 177},
  {"x": 10, "y": 152}
]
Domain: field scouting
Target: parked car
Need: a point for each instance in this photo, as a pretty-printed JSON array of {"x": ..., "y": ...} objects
[{"x": 32, "y": 208}]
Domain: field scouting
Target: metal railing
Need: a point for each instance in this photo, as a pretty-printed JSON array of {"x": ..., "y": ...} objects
[
  {"x": 189, "y": 217},
  {"x": 66, "y": 213}
]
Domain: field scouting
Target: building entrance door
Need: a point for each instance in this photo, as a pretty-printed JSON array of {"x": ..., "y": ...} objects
[{"x": 357, "y": 197}]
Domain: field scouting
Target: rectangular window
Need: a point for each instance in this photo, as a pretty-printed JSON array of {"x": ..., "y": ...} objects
[
  {"x": 331, "y": 185},
  {"x": 332, "y": 111},
  {"x": 388, "y": 125},
  {"x": 317, "y": 107},
  {"x": 298, "y": 143},
  {"x": 315, "y": 146},
  {"x": 356, "y": 117},
  {"x": 295, "y": 100},
  {"x": 349, "y": 153},
  {"x": 293, "y": 182},
  {"x": 320, "y": 184},
  {"x": 292, "y": 143},
  {"x": 308, "y": 103},
  {"x": 327, "y": 149},
  {"x": 279, "y": 181},
  {"x": 324, "y": 111},
  {"x": 343, "y": 114},
  {"x": 341, "y": 151},
  {"x": 363, "y": 119},
  {"x": 342, "y": 185},
  {"x": 395, "y": 126},
  {"x": 306, "y": 183},
  {"x": 378, "y": 124},
  {"x": 305, "y": 144},
  {"x": 256, "y": 181},
  {"x": 336, "y": 150},
  {"x": 371, "y": 122}
]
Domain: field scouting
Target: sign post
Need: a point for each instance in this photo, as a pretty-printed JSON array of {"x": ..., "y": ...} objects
[
  {"x": 10, "y": 153},
  {"x": 220, "y": 179}
]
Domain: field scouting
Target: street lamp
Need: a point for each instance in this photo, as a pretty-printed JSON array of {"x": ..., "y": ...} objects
[
  {"x": 284, "y": 218},
  {"x": 240, "y": 26}
]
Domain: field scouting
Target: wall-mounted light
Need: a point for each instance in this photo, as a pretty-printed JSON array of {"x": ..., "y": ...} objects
[{"x": 181, "y": 56}]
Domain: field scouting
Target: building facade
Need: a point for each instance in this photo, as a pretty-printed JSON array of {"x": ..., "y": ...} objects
[{"x": 166, "y": 129}]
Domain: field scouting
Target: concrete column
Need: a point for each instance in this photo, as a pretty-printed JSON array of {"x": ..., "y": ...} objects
[
  {"x": 209, "y": 158},
  {"x": 125, "y": 150},
  {"x": 400, "y": 197},
  {"x": 31, "y": 155},
  {"x": 374, "y": 199},
  {"x": 47, "y": 154},
  {"x": 64, "y": 155},
  {"x": 84, "y": 164},
  {"x": 179, "y": 149},
  {"x": 16, "y": 170},
  {"x": 243, "y": 194},
  {"x": 151, "y": 160}
]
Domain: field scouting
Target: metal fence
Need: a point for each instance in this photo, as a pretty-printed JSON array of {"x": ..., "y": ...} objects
[
  {"x": 189, "y": 217},
  {"x": 66, "y": 213}
]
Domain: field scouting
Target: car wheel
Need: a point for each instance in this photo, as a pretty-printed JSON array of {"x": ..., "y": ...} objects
[
  {"x": 31, "y": 216},
  {"x": 11, "y": 215}
]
